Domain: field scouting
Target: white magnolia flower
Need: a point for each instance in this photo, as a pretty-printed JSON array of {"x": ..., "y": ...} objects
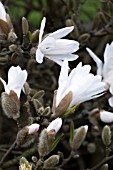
[
  {"x": 55, "y": 125},
  {"x": 78, "y": 87},
  {"x": 33, "y": 128},
  {"x": 55, "y": 48},
  {"x": 105, "y": 69},
  {"x": 2, "y": 12},
  {"x": 16, "y": 80},
  {"x": 106, "y": 117}
]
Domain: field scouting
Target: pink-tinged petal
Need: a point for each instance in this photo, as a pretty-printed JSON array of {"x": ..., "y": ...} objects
[
  {"x": 55, "y": 125},
  {"x": 33, "y": 128},
  {"x": 106, "y": 117},
  {"x": 110, "y": 101},
  {"x": 42, "y": 29},
  {"x": 39, "y": 56},
  {"x": 97, "y": 60},
  {"x": 7, "y": 90},
  {"x": 108, "y": 59},
  {"x": 2, "y": 12},
  {"x": 61, "y": 32}
]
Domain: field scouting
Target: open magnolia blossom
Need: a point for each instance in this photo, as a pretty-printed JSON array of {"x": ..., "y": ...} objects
[
  {"x": 106, "y": 117},
  {"x": 16, "y": 80},
  {"x": 105, "y": 69},
  {"x": 55, "y": 48},
  {"x": 78, "y": 87},
  {"x": 55, "y": 125},
  {"x": 33, "y": 128}
]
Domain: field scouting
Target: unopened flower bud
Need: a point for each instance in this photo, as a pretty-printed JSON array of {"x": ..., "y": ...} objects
[
  {"x": 39, "y": 94},
  {"x": 25, "y": 26},
  {"x": 37, "y": 105},
  {"x": 43, "y": 147},
  {"x": 10, "y": 104},
  {"x": 4, "y": 27},
  {"x": 106, "y": 135},
  {"x": 104, "y": 167},
  {"x": 79, "y": 137},
  {"x": 12, "y": 37},
  {"x": 47, "y": 111},
  {"x": 35, "y": 36},
  {"x": 91, "y": 147},
  {"x": 51, "y": 161},
  {"x": 24, "y": 164},
  {"x": 55, "y": 125},
  {"x": 21, "y": 136},
  {"x": 27, "y": 89},
  {"x": 34, "y": 159},
  {"x": 84, "y": 37},
  {"x": 12, "y": 47},
  {"x": 63, "y": 105},
  {"x": 33, "y": 128}
]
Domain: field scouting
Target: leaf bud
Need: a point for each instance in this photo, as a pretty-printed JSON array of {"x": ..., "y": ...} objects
[
  {"x": 51, "y": 161},
  {"x": 106, "y": 135}
]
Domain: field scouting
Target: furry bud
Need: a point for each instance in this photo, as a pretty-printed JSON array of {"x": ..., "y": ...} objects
[
  {"x": 12, "y": 37},
  {"x": 104, "y": 167},
  {"x": 51, "y": 161},
  {"x": 21, "y": 136},
  {"x": 106, "y": 135},
  {"x": 10, "y": 105},
  {"x": 43, "y": 147},
  {"x": 63, "y": 105},
  {"x": 79, "y": 137},
  {"x": 39, "y": 94},
  {"x": 25, "y": 26}
]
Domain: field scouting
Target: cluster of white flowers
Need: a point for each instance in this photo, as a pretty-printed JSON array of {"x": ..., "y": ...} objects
[{"x": 77, "y": 87}]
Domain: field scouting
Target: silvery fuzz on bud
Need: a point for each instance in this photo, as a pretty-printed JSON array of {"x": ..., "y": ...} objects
[
  {"x": 63, "y": 105},
  {"x": 39, "y": 94},
  {"x": 104, "y": 167},
  {"x": 106, "y": 135},
  {"x": 10, "y": 104},
  {"x": 51, "y": 161},
  {"x": 25, "y": 26},
  {"x": 24, "y": 164},
  {"x": 21, "y": 136},
  {"x": 43, "y": 147},
  {"x": 12, "y": 37},
  {"x": 79, "y": 137}
]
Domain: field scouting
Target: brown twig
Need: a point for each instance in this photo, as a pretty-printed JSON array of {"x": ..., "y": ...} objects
[{"x": 7, "y": 153}]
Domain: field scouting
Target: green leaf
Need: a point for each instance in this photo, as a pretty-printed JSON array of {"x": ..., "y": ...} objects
[
  {"x": 71, "y": 109},
  {"x": 55, "y": 143},
  {"x": 71, "y": 131}
]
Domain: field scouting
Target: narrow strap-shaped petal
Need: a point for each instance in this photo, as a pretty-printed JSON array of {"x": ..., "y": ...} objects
[
  {"x": 106, "y": 117},
  {"x": 42, "y": 29},
  {"x": 39, "y": 56},
  {"x": 97, "y": 60},
  {"x": 64, "y": 72},
  {"x": 2, "y": 12},
  {"x": 61, "y": 32}
]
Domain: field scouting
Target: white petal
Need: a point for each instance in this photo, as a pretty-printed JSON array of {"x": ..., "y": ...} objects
[
  {"x": 33, "y": 128},
  {"x": 108, "y": 59},
  {"x": 108, "y": 77},
  {"x": 2, "y": 12},
  {"x": 7, "y": 90},
  {"x": 19, "y": 80},
  {"x": 64, "y": 72},
  {"x": 61, "y": 32},
  {"x": 39, "y": 56},
  {"x": 55, "y": 125},
  {"x": 106, "y": 117},
  {"x": 97, "y": 60},
  {"x": 110, "y": 100},
  {"x": 42, "y": 29},
  {"x": 56, "y": 60},
  {"x": 60, "y": 46}
]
